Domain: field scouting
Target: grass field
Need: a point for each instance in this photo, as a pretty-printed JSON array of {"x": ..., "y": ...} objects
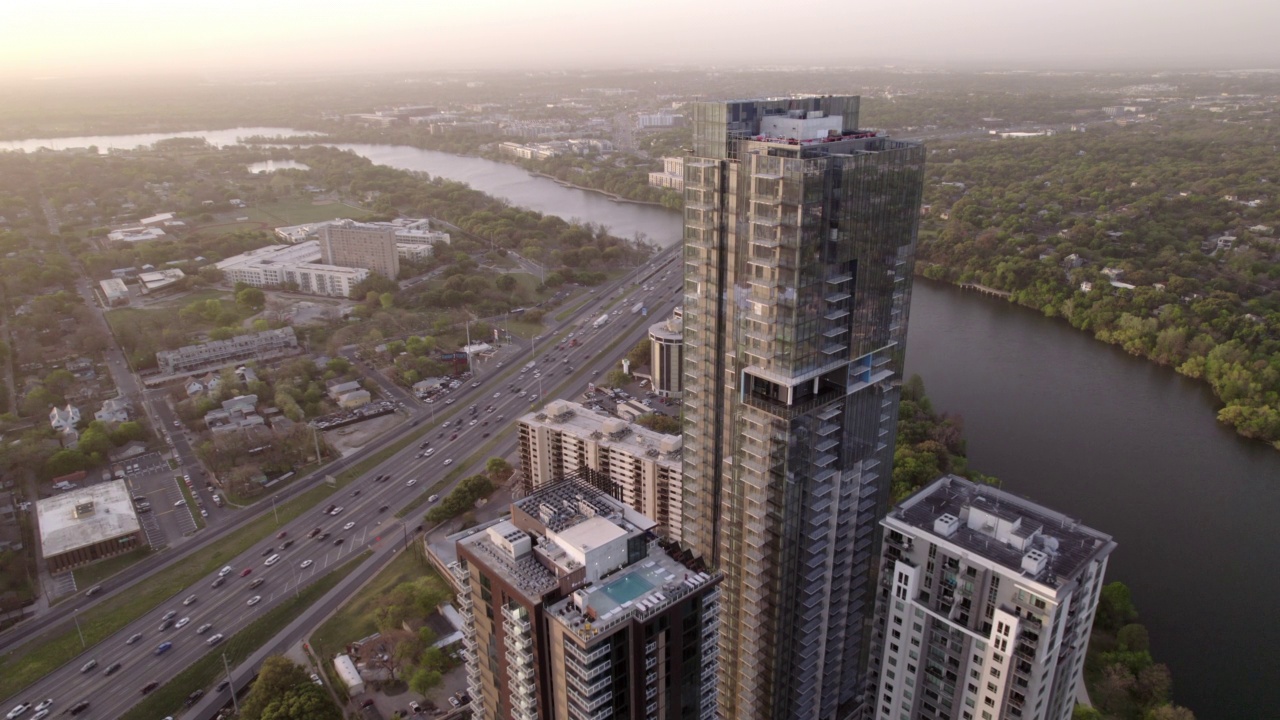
[
  {"x": 354, "y": 620},
  {"x": 208, "y": 670},
  {"x": 60, "y": 645},
  {"x": 560, "y": 316},
  {"x": 87, "y": 577}
]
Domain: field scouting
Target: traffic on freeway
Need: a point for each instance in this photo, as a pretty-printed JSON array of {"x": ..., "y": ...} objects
[{"x": 115, "y": 674}]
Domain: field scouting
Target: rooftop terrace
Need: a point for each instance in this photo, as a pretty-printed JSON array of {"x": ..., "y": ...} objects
[{"x": 1029, "y": 539}]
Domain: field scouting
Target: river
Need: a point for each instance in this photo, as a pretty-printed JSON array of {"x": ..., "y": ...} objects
[{"x": 1128, "y": 447}]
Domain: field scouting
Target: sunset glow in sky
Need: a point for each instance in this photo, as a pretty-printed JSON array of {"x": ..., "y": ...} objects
[{"x": 42, "y": 38}]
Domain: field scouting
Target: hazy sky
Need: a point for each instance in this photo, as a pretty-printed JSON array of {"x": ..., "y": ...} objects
[{"x": 40, "y": 38}]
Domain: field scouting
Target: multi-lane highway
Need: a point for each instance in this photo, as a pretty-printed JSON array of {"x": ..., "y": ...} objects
[{"x": 368, "y": 505}]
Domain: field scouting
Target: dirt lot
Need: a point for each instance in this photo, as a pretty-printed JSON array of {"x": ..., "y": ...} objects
[{"x": 351, "y": 438}]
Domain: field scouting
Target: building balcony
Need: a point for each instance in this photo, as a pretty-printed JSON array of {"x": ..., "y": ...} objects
[
  {"x": 588, "y": 688},
  {"x": 580, "y": 714},
  {"x": 465, "y": 602},
  {"x": 584, "y": 657}
]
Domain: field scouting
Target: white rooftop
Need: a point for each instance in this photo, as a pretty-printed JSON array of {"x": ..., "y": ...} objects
[
  {"x": 591, "y": 533},
  {"x": 112, "y": 516}
]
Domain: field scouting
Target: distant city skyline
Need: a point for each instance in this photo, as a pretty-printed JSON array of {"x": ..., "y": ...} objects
[{"x": 77, "y": 38}]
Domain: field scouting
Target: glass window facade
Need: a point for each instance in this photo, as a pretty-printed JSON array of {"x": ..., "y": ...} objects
[{"x": 798, "y": 264}]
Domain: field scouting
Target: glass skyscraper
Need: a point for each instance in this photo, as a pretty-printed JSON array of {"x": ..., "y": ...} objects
[{"x": 799, "y": 242}]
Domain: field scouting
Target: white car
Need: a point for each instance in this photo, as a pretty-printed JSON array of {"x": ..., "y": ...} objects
[
  {"x": 180, "y": 503},
  {"x": 348, "y": 526},
  {"x": 255, "y": 600},
  {"x": 272, "y": 560},
  {"x": 449, "y": 461},
  {"x": 203, "y": 628},
  {"x": 337, "y": 510},
  {"x": 306, "y": 564},
  {"x": 190, "y": 599},
  {"x": 214, "y": 639},
  {"x": 224, "y": 571},
  {"x": 181, "y": 623},
  {"x": 497, "y": 395},
  {"x": 44, "y": 704},
  {"x": 411, "y": 482},
  {"x": 433, "y": 498},
  {"x": 430, "y": 452},
  {"x": 316, "y": 679},
  {"x": 18, "y": 710}
]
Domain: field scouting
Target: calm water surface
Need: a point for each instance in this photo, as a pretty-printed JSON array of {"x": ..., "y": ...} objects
[{"x": 1130, "y": 448}]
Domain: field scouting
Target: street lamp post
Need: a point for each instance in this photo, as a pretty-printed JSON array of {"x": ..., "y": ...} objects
[
  {"x": 75, "y": 615},
  {"x": 231, "y": 686},
  {"x": 273, "y": 510}
]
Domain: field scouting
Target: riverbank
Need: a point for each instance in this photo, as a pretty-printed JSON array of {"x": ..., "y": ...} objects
[
  {"x": 612, "y": 196},
  {"x": 1237, "y": 377}
]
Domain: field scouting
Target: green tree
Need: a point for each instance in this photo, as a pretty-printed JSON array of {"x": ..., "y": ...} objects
[
  {"x": 127, "y": 432},
  {"x": 1169, "y": 712},
  {"x": 1084, "y": 712},
  {"x": 424, "y": 680},
  {"x": 251, "y": 298},
  {"x": 1115, "y": 606},
  {"x": 59, "y": 382},
  {"x": 65, "y": 462},
  {"x": 387, "y": 300},
  {"x": 277, "y": 677},
  {"x": 497, "y": 466},
  {"x": 658, "y": 422},
  {"x": 616, "y": 378},
  {"x": 305, "y": 702}
]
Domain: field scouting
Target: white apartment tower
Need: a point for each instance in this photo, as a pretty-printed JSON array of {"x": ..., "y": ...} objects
[
  {"x": 984, "y": 606},
  {"x": 360, "y": 245},
  {"x": 643, "y": 467}
]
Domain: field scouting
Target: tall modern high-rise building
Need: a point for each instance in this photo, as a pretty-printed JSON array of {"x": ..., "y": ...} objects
[
  {"x": 985, "y": 606},
  {"x": 799, "y": 242}
]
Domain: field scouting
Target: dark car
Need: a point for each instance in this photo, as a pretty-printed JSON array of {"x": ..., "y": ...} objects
[
  {"x": 166, "y": 625},
  {"x": 323, "y": 536},
  {"x": 193, "y": 697},
  {"x": 339, "y": 541},
  {"x": 367, "y": 703},
  {"x": 111, "y": 669},
  {"x": 79, "y": 707},
  {"x": 149, "y": 687},
  {"x": 355, "y": 494},
  {"x": 222, "y": 686},
  {"x": 285, "y": 545},
  {"x": 267, "y": 552},
  {"x": 245, "y": 572},
  {"x": 314, "y": 533},
  {"x": 163, "y": 648},
  {"x": 329, "y": 509},
  {"x": 93, "y": 591},
  {"x": 281, "y": 534},
  {"x": 453, "y": 436},
  {"x": 218, "y": 582},
  {"x": 383, "y": 508}
]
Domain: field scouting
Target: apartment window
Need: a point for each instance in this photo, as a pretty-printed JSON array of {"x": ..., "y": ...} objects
[
  {"x": 896, "y": 635},
  {"x": 989, "y": 702},
  {"x": 973, "y": 688},
  {"x": 991, "y": 687},
  {"x": 995, "y": 673}
]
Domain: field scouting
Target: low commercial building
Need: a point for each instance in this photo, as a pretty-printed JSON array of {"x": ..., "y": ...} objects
[
  {"x": 159, "y": 279},
  {"x": 136, "y": 234},
  {"x": 643, "y": 465},
  {"x": 293, "y": 267},
  {"x": 263, "y": 345},
  {"x": 115, "y": 292},
  {"x": 985, "y": 607},
  {"x": 85, "y": 525},
  {"x": 348, "y": 674}
]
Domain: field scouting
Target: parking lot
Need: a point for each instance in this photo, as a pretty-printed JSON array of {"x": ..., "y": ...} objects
[{"x": 164, "y": 524}]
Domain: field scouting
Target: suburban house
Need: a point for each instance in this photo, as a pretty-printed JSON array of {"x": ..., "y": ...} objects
[{"x": 113, "y": 410}]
